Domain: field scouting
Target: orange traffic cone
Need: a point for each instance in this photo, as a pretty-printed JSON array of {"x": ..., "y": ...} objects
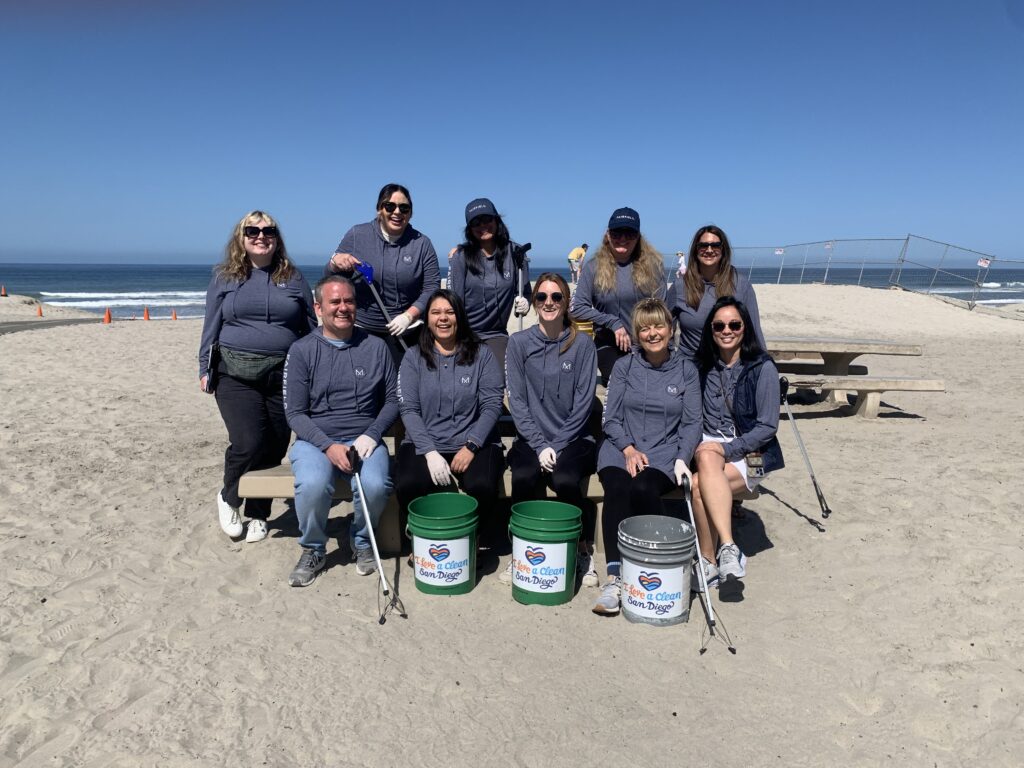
[
  {"x": 106, "y": 317},
  {"x": 3, "y": 291},
  {"x": 174, "y": 315},
  {"x": 145, "y": 313},
  {"x": 39, "y": 310}
]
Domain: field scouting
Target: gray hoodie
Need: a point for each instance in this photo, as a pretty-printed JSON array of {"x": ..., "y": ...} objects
[
  {"x": 488, "y": 296},
  {"x": 550, "y": 393},
  {"x": 718, "y": 400},
  {"x": 656, "y": 410},
  {"x": 405, "y": 273},
  {"x": 609, "y": 311},
  {"x": 691, "y": 321},
  {"x": 443, "y": 409},
  {"x": 333, "y": 395}
]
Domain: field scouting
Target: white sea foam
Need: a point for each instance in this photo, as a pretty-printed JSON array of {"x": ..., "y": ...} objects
[
  {"x": 101, "y": 303},
  {"x": 130, "y": 295}
]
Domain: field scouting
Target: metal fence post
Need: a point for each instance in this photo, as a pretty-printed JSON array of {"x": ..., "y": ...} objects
[
  {"x": 897, "y": 270},
  {"x": 802, "y": 268},
  {"x": 935, "y": 273},
  {"x": 828, "y": 264}
]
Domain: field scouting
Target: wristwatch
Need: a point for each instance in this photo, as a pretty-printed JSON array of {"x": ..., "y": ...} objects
[{"x": 472, "y": 447}]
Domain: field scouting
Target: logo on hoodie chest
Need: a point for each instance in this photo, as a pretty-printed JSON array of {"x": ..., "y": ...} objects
[
  {"x": 466, "y": 380},
  {"x": 407, "y": 258},
  {"x": 359, "y": 371},
  {"x": 567, "y": 366},
  {"x": 672, "y": 389}
]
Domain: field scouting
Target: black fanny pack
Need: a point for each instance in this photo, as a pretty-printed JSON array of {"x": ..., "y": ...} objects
[{"x": 248, "y": 366}]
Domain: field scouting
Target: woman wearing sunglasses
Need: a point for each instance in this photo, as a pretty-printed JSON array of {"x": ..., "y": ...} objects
[
  {"x": 449, "y": 396},
  {"x": 740, "y": 385},
  {"x": 624, "y": 270},
  {"x": 651, "y": 427},
  {"x": 709, "y": 275},
  {"x": 400, "y": 261},
  {"x": 490, "y": 276},
  {"x": 257, "y": 304},
  {"x": 551, "y": 378}
]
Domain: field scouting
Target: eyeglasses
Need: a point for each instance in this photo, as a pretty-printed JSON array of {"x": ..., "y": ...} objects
[
  {"x": 402, "y": 207},
  {"x": 482, "y": 221},
  {"x": 734, "y": 325},
  {"x": 717, "y": 246},
  {"x": 540, "y": 297},
  {"x": 253, "y": 232}
]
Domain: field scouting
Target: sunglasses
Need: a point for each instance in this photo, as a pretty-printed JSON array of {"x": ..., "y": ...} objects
[
  {"x": 623, "y": 234},
  {"x": 734, "y": 325},
  {"x": 710, "y": 246},
  {"x": 540, "y": 297},
  {"x": 402, "y": 207},
  {"x": 253, "y": 232},
  {"x": 482, "y": 221}
]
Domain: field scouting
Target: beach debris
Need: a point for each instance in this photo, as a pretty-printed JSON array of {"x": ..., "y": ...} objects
[{"x": 107, "y": 319}]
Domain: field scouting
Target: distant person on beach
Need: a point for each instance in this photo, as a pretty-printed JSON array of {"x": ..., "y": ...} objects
[
  {"x": 625, "y": 270},
  {"x": 404, "y": 266},
  {"x": 449, "y": 397},
  {"x": 257, "y": 305},
  {"x": 709, "y": 275},
  {"x": 551, "y": 373},
  {"x": 681, "y": 267},
  {"x": 340, "y": 391},
  {"x": 651, "y": 427},
  {"x": 576, "y": 256},
  {"x": 740, "y": 385},
  {"x": 489, "y": 276}
]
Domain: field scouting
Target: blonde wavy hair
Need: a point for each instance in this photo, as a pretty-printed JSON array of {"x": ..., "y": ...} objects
[
  {"x": 236, "y": 265},
  {"x": 648, "y": 267}
]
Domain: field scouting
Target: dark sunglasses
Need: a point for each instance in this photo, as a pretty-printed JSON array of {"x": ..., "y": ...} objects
[
  {"x": 710, "y": 246},
  {"x": 254, "y": 232},
  {"x": 482, "y": 221},
  {"x": 540, "y": 297},
  {"x": 734, "y": 325},
  {"x": 402, "y": 207},
  {"x": 623, "y": 234}
]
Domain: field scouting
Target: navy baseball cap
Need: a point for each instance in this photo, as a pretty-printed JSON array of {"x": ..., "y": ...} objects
[
  {"x": 625, "y": 218},
  {"x": 480, "y": 207}
]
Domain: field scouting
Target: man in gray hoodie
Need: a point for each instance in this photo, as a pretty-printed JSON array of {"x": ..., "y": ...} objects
[{"x": 340, "y": 393}]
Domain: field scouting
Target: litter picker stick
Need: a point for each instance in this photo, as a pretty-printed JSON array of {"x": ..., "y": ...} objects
[
  {"x": 357, "y": 464},
  {"x": 702, "y": 578},
  {"x": 783, "y": 388},
  {"x": 376, "y": 297},
  {"x": 521, "y": 251}
]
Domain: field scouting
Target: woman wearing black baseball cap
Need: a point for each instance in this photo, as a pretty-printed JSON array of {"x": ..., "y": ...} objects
[{"x": 624, "y": 270}]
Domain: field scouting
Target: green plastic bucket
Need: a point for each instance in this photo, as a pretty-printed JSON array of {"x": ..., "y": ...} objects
[
  {"x": 443, "y": 531},
  {"x": 544, "y": 538}
]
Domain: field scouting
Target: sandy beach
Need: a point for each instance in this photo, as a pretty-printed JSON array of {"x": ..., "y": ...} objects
[{"x": 134, "y": 633}]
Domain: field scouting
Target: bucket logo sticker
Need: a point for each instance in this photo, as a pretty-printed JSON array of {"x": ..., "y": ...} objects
[
  {"x": 539, "y": 568},
  {"x": 649, "y": 580},
  {"x": 655, "y": 594},
  {"x": 535, "y": 555},
  {"x": 441, "y": 563}
]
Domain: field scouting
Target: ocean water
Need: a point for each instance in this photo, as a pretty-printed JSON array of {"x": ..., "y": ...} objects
[{"x": 128, "y": 289}]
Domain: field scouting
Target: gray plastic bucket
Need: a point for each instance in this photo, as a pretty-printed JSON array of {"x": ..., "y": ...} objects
[{"x": 657, "y": 554}]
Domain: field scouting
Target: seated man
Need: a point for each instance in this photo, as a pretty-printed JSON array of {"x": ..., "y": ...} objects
[{"x": 339, "y": 390}]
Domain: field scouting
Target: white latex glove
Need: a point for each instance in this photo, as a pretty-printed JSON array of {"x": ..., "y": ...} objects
[
  {"x": 440, "y": 472},
  {"x": 364, "y": 445},
  {"x": 682, "y": 470},
  {"x": 400, "y": 324},
  {"x": 547, "y": 458},
  {"x": 521, "y": 305}
]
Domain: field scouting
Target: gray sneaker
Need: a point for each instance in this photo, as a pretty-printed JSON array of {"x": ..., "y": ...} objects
[
  {"x": 710, "y": 573},
  {"x": 608, "y": 603},
  {"x": 310, "y": 564},
  {"x": 365, "y": 562},
  {"x": 732, "y": 564},
  {"x": 585, "y": 571}
]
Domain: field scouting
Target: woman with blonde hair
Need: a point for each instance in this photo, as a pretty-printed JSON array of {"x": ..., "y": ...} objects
[
  {"x": 257, "y": 304},
  {"x": 624, "y": 270},
  {"x": 709, "y": 276}
]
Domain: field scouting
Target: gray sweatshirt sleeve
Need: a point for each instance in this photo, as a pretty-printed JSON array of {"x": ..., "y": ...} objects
[
  {"x": 614, "y": 416},
  {"x": 409, "y": 402},
  {"x": 457, "y": 275},
  {"x": 347, "y": 245},
  {"x": 515, "y": 375},
  {"x": 431, "y": 277},
  {"x": 491, "y": 385},
  {"x": 307, "y": 295},
  {"x": 389, "y": 410},
  {"x": 767, "y": 415},
  {"x": 582, "y": 305},
  {"x": 749, "y": 299},
  {"x": 212, "y": 322},
  {"x": 297, "y": 383},
  {"x": 690, "y": 425},
  {"x": 583, "y": 394}
]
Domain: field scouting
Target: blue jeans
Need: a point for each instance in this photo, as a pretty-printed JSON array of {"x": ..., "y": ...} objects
[{"x": 315, "y": 480}]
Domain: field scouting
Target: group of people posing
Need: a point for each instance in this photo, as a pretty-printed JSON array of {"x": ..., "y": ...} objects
[{"x": 394, "y": 349}]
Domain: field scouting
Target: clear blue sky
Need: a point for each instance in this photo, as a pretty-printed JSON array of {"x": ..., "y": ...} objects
[{"x": 143, "y": 134}]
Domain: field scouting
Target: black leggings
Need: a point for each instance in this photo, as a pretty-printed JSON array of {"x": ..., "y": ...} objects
[
  {"x": 574, "y": 464},
  {"x": 480, "y": 480},
  {"x": 625, "y": 497},
  {"x": 606, "y": 357}
]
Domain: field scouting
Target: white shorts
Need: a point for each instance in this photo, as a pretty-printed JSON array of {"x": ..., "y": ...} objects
[{"x": 740, "y": 463}]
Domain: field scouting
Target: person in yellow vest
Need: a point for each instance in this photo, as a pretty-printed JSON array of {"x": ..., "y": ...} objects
[{"x": 576, "y": 261}]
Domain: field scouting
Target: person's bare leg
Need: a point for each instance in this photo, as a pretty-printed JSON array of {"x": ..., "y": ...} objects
[{"x": 706, "y": 538}]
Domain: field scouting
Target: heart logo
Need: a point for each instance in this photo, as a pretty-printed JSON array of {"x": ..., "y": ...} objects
[
  {"x": 535, "y": 555},
  {"x": 442, "y": 552},
  {"x": 649, "y": 581}
]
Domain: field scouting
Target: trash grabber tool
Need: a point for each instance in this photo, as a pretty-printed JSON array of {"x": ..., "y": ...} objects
[
  {"x": 365, "y": 271},
  {"x": 783, "y": 388},
  {"x": 705, "y": 592},
  {"x": 520, "y": 258}
]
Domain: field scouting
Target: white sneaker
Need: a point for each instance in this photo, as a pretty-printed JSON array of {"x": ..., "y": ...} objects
[
  {"x": 257, "y": 531},
  {"x": 710, "y": 573},
  {"x": 732, "y": 563},
  {"x": 505, "y": 577},
  {"x": 585, "y": 570},
  {"x": 230, "y": 518},
  {"x": 608, "y": 603}
]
